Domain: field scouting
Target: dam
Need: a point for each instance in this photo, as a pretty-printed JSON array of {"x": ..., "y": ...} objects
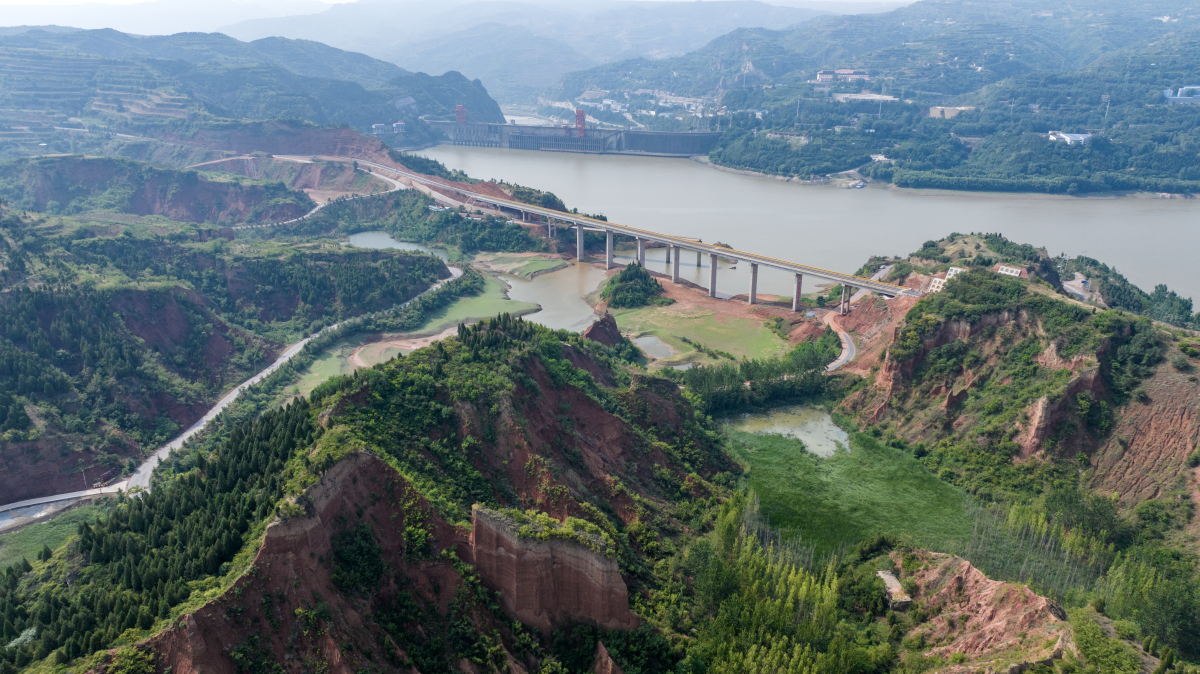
[{"x": 578, "y": 139}]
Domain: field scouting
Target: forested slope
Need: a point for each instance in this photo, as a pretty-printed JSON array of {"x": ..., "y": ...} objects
[{"x": 118, "y": 331}]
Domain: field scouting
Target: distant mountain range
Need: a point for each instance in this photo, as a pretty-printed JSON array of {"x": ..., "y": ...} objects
[
  {"x": 69, "y": 78},
  {"x": 941, "y": 47},
  {"x": 519, "y": 48}
]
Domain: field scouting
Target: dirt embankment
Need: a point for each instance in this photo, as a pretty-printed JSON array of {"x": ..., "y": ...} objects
[
  {"x": 72, "y": 182},
  {"x": 322, "y": 180},
  {"x": 548, "y": 584},
  {"x": 895, "y": 397},
  {"x": 276, "y": 137},
  {"x": 993, "y": 624},
  {"x": 872, "y": 323},
  {"x": 1146, "y": 453}
]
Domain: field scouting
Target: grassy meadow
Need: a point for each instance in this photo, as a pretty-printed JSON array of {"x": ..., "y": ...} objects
[
  {"x": 739, "y": 336},
  {"x": 872, "y": 489}
]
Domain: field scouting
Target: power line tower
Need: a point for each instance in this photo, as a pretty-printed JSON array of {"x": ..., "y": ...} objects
[
  {"x": 460, "y": 114},
  {"x": 580, "y": 122}
]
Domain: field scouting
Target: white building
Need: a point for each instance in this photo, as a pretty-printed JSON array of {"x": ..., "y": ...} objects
[{"x": 1070, "y": 138}]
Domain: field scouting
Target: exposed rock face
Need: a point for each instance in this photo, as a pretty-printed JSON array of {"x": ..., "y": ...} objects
[
  {"x": 986, "y": 620},
  {"x": 1149, "y": 445},
  {"x": 547, "y": 583},
  {"x": 604, "y": 331},
  {"x": 292, "y": 565},
  {"x": 604, "y": 663},
  {"x": 187, "y": 196}
]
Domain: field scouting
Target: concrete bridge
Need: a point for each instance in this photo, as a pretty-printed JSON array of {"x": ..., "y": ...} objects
[{"x": 676, "y": 246}]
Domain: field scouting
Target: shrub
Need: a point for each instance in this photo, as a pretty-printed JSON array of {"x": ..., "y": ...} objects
[
  {"x": 358, "y": 559},
  {"x": 632, "y": 287},
  {"x": 1180, "y": 362},
  {"x": 1110, "y": 656},
  {"x": 914, "y": 642},
  {"x": 130, "y": 660},
  {"x": 1127, "y": 630}
]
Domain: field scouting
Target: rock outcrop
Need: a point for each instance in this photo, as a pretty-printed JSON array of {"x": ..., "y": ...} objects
[
  {"x": 258, "y": 615},
  {"x": 604, "y": 331},
  {"x": 604, "y": 663},
  {"x": 545, "y": 584},
  {"x": 986, "y": 620}
]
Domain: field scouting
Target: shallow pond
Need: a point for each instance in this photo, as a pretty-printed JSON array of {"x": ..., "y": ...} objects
[
  {"x": 654, "y": 347},
  {"x": 380, "y": 240},
  {"x": 811, "y": 425}
]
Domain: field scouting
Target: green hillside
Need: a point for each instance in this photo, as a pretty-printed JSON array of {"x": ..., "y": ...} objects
[{"x": 1011, "y": 72}]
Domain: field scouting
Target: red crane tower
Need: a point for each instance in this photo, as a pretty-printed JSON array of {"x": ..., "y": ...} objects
[
  {"x": 460, "y": 114},
  {"x": 580, "y": 121}
]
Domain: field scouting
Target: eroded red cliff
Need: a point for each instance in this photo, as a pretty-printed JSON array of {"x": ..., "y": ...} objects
[{"x": 545, "y": 584}]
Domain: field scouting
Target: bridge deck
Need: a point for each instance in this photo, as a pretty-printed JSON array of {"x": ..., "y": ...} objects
[{"x": 689, "y": 244}]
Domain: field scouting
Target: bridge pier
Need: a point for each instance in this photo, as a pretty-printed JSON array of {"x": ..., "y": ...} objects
[
  {"x": 669, "y": 254},
  {"x": 608, "y": 257},
  {"x": 842, "y": 307},
  {"x": 697, "y": 259},
  {"x": 712, "y": 275},
  {"x": 579, "y": 242},
  {"x": 674, "y": 267},
  {"x": 641, "y": 251},
  {"x": 753, "y": 283},
  {"x": 796, "y": 297}
]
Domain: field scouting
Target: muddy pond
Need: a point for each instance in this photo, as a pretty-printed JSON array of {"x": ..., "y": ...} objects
[{"x": 811, "y": 425}]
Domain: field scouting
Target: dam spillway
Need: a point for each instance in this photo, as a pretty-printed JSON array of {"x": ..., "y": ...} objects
[{"x": 569, "y": 139}]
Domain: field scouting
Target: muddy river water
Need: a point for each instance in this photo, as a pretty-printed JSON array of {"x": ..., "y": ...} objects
[{"x": 1149, "y": 240}]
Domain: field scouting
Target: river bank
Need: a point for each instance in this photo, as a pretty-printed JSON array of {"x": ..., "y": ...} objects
[{"x": 840, "y": 229}]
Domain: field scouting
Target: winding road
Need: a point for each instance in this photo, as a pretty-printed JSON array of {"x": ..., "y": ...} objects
[{"x": 849, "y": 351}]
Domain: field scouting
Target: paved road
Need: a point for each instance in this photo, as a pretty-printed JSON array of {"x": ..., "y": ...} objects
[
  {"x": 141, "y": 477},
  {"x": 396, "y": 187},
  {"x": 849, "y": 351}
]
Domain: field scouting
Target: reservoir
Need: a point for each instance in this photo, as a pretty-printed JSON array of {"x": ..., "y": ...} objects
[{"x": 1149, "y": 240}]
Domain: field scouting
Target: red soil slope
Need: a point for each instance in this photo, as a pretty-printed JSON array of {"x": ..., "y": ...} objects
[{"x": 994, "y": 624}]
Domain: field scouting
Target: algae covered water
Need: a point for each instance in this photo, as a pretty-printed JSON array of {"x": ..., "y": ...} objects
[{"x": 811, "y": 425}]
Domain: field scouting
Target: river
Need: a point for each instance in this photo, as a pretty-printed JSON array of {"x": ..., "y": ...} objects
[{"x": 1149, "y": 240}]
